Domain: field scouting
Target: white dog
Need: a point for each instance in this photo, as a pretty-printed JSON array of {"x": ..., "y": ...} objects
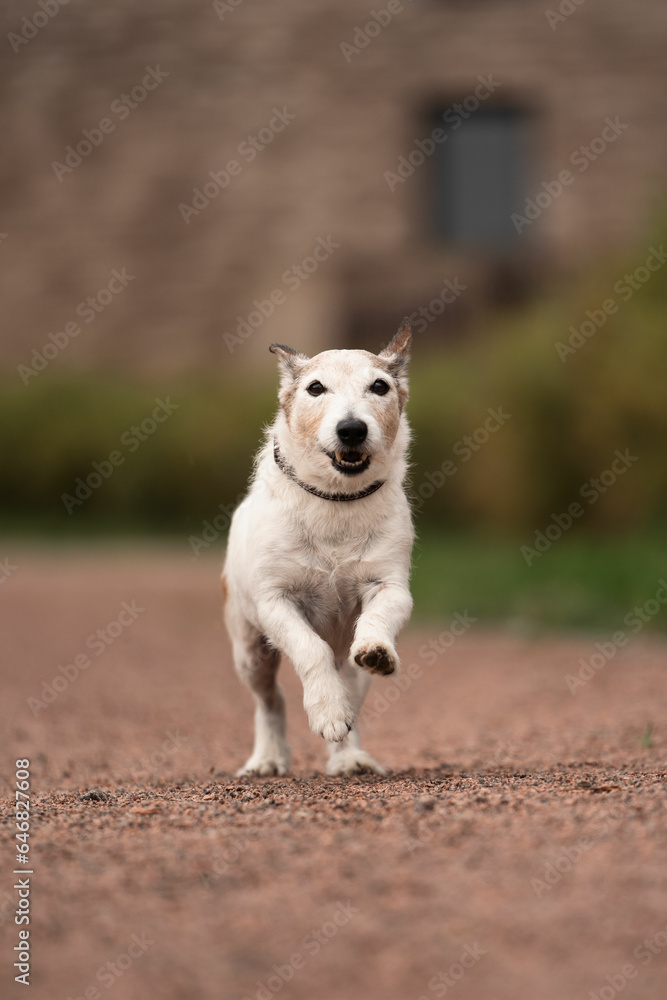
[{"x": 318, "y": 558}]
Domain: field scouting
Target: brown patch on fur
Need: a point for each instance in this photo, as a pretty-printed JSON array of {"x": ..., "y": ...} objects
[
  {"x": 389, "y": 419},
  {"x": 291, "y": 365},
  {"x": 389, "y": 366},
  {"x": 263, "y": 664},
  {"x": 286, "y": 398},
  {"x": 401, "y": 386},
  {"x": 307, "y": 425}
]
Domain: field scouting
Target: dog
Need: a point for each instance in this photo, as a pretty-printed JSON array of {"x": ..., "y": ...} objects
[{"x": 318, "y": 557}]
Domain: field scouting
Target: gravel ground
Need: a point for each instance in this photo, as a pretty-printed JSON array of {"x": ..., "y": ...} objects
[{"x": 517, "y": 849}]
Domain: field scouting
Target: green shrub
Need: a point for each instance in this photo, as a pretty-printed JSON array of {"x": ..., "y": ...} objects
[
  {"x": 51, "y": 433},
  {"x": 568, "y": 418}
]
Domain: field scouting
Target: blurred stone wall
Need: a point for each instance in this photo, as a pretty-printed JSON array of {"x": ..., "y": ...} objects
[{"x": 220, "y": 80}]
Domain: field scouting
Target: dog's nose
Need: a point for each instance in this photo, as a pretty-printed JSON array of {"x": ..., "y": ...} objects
[{"x": 352, "y": 432}]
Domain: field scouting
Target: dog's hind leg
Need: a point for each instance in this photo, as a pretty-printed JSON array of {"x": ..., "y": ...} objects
[
  {"x": 257, "y": 665},
  {"x": 347, "y": 757}
]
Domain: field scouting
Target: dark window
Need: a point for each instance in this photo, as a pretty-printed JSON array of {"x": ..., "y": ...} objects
[{"x": 479, "y": 177}]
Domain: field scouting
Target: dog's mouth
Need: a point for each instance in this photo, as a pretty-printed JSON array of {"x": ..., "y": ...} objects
[{"x": 349, "y": 461}]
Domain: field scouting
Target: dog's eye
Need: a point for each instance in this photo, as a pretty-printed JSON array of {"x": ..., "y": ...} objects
[
  {"x": 380, "y": 387},
  {"x": 316, "y": 389}
]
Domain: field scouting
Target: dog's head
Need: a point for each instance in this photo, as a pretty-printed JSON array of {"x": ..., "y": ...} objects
[{"x": 342, "y": 412}]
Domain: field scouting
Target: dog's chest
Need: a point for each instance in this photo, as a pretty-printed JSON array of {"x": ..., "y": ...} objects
[
  {"x": 329, "y": 579},
  {"x": 333, "y": 568}
]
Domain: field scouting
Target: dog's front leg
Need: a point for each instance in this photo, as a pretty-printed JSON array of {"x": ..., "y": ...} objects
[
  {"x": 325, "y": 696},
  {"x": 384, "y": 613}
]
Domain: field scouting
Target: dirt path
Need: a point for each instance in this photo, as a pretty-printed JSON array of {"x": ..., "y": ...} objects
[{"x": 516, "y": 851}]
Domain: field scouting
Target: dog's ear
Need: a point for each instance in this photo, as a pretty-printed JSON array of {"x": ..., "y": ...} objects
[
  {"x": 290, "y": 361},
  {"x": 397, "y": 353}
]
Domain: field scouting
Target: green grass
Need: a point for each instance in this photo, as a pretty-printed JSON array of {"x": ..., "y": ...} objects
[
  {"x": 647, "y": 738},
  {"x": 579, "y": 583}
]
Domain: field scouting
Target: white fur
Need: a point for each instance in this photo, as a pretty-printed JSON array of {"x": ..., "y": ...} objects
[{"x": 321, "y": 581}]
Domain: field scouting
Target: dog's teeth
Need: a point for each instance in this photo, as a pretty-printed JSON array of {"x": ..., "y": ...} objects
[{"x": 350, "y": 463}]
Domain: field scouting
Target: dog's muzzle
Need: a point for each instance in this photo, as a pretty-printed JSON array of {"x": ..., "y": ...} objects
[{"x": 350, "y": 459}]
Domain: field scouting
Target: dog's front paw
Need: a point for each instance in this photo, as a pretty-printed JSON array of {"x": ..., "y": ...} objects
[
  {"x": 353, "y": 761},
  {"x": 264, "y": 765},
  {"x": 329, "y": 710},
  {"x": 375, "y": 656}
]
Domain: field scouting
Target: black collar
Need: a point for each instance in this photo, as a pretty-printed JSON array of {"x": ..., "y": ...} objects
[{"x": 289, "y": 472}]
